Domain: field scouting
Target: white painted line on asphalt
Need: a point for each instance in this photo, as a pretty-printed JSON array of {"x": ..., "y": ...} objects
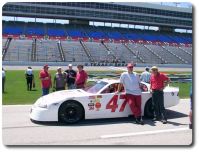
[{"x": 143, "y": 133}]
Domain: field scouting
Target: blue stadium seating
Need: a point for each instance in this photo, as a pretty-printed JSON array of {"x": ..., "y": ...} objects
[
  {"x": 98, "y": 35},
  {"x": 75, "y": 33},
  {"x": 115, "y": 35},
  {"x": 35, "y": 31},
  {"x": 17, "y": 28},
  {"x": 132, "y": 36},
  {"x": 13, "y": 30},
  {"x": 55, "y": 32}
]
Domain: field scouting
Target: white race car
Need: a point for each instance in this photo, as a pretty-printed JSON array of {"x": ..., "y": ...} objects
[{"x": 97, "y": 101}]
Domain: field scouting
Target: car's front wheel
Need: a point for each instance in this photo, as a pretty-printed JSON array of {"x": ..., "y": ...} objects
[
  {"x": 148, "y": 109},
  {"x": 70, "y": 112}
]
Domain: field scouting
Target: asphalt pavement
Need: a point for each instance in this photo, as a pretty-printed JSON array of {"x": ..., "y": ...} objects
[{"x": 17, "y": 129}]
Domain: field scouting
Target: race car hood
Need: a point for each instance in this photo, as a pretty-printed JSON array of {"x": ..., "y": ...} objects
[{"x": 59, "y": 96}]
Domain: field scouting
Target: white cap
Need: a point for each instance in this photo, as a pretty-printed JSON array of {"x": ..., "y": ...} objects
[
  {"x": 58, "y": 68},
  {"x": 70, "y": 65}
]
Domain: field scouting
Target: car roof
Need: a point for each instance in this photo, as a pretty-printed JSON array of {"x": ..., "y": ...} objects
[{"x": 111, "y": 81}]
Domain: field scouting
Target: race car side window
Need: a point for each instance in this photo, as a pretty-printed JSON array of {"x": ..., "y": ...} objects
[
  {"x": 112, "y": 88},
  {"x": 143, "y": 87}
]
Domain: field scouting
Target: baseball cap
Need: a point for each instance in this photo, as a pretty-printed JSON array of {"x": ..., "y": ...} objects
[
  {"x": 130, "y": 65},
  {"x": 70, "y": 65},
  {"x": 58, "y": 68},
  {"x": 46, "y": 66},
  {"x": 154, "y": 68}
]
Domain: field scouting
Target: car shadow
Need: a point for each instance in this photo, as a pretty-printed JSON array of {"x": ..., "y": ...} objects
[{"x": 93, "y": 122}]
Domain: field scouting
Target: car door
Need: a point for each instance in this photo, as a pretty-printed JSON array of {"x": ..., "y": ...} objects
[{"x": 113, "y": 105}]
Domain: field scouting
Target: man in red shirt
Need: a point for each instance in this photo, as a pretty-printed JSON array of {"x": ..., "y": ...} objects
[
  {"x": 45, "y": 80},
  {"x": 158, "y": 82},
  {"x": 81, "y": 77}
]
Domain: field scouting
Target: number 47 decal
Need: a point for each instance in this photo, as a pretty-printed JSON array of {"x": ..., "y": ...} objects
[{"x": 112, "y": 104}]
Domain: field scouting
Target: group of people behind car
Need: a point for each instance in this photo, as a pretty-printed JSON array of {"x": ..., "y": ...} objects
[
  {"x": 69, "y": 79},
  {"x": 62, "y": 79}
]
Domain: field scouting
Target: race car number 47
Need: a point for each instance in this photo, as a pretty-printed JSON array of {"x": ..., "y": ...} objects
[{"x": 112, "y": 104}]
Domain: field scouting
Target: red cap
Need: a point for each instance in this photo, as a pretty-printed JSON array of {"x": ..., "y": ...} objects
[
  {"x": 130, "y": 65},
  {"x": 46, "y": 66}
]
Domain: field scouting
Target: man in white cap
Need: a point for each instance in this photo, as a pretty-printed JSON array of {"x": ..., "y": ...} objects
[
  {"x": 158, "y": 82},
  {"x": 71, "y": 76},
  {"x": 59, "y": 82}
]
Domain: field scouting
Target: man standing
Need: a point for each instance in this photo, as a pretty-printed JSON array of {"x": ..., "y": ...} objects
[
  {"x": 59, "y": 82},
  {"x": 29, "y": 78},
  {"x": 158, "y": 82},
  {"x": 71, "y": 75},
  {"x": 3, "y": 80},
  {"x": 145, "y": 76},
  {"x": 131, "y": 83},
  {"x": 45, "y": 80},
  {"x": 81, "y": 77}
]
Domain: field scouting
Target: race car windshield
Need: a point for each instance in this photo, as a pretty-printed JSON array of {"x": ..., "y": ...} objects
[{"x": 97, "y": 86}]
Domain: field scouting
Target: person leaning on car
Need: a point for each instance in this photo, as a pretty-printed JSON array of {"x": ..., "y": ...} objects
[
  {"x": 45, "y": 78},
  {"x": 131, "y": 83},
  {"x": 158, "y": 81}
]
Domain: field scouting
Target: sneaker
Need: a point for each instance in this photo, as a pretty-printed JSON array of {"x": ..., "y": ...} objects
[
  {"x": 190, "y": 126},
  {"x": 164, "y": 121},
  {"x": 139, "y": 121},
  {"x": 155, "y": 119}
]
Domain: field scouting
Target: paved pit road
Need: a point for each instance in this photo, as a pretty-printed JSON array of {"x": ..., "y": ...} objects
[{"x": 19, "y": 130}]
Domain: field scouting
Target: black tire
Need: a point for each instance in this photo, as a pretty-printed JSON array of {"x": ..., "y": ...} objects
[
  {"x": 70, "y": 112},
  {"x": 148, "y": 109}
]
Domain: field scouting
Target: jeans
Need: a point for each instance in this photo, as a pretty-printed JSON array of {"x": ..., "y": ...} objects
[
  {"x": 29, "y": 83},
  {"x": 45, "y": 91},
  {"x": 71, "y": 86}
]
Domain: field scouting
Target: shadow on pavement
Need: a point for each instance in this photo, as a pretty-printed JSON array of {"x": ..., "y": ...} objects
[{"x": 170, "y": 115}]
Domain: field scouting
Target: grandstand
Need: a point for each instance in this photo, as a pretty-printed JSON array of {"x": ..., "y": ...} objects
[{"x": 81, "y": 42}]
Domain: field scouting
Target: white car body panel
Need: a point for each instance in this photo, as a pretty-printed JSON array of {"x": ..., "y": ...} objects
[{"x": 46, "y": 107}]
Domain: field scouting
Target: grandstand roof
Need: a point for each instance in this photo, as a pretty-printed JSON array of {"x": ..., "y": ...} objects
[{"x": 123, "y": 12}]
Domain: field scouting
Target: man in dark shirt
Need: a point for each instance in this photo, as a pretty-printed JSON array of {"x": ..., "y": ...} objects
[{"x": 71, "y": 76}]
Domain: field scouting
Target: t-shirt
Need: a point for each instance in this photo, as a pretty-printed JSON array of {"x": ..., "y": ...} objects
[
  {"x": 29, "y": 72},
  {"x": 157, "y": 82},
  {"x": 131, "y": 83},
  {"x": 71, "y": 73},
  {"x": 81, "y": 77},
  {"x": 45, "y": 83},
  {"x": 145, "y": 76},
  {"x": 60, "y": 80}
]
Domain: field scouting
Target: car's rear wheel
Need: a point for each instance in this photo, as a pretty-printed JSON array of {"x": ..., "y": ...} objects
[
  {"x": 148, "y": 109},
  {"x": 70, "y": 112}
]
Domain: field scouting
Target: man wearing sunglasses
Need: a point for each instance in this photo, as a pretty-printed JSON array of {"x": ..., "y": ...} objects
[{"x": 131, "y": 83}]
